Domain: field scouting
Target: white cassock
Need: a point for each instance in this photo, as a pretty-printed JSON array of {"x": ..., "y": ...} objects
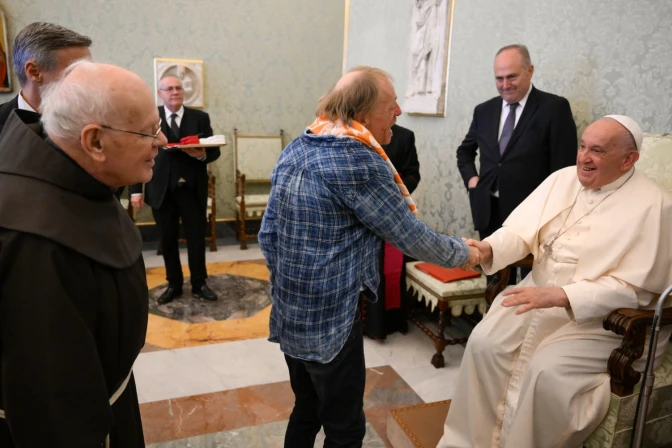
[{"x": 540, "y": 379}]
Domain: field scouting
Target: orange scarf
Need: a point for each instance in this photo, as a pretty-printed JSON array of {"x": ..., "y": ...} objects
[{"x": 357, "y": 131}]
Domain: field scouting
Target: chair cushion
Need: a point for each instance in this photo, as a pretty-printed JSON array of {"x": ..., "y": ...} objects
[
  {"x": 432, "y": 290},
  {"x": 616, "y": 427},
  {"x": 254, "y": 200},
  {"x": 255, "y": 204}
]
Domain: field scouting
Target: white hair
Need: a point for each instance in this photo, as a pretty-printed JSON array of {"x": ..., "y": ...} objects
[{"x": 67, "y": 107}]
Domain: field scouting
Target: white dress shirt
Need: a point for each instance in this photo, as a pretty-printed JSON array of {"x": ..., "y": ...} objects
[
  {"x": 506, "y": 109},
  {"x": 23, "y": 104},
  {"x": 505, "y": 113},
  {"x": 178, "y": 119}
]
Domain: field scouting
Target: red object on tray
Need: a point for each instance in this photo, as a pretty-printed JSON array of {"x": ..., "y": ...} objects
[
  {"x": 446, "y": 275},
  {"x": 189, "y": 140}
]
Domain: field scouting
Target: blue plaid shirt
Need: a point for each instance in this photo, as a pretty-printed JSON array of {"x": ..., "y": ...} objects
[{"x": 332, "y": 201}]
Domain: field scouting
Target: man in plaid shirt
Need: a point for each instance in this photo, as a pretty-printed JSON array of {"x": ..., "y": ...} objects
[{"x": 334, "y": 197}]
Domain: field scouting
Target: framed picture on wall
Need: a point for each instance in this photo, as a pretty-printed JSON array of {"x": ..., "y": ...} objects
[
  {"x": 431, "y": 22},
  {"x": 5, "y": 73},
  {"x": 190, "y": 71}
]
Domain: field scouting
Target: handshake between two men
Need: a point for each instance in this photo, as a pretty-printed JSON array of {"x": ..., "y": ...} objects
[
  {"x": 479, "y": 252},
  {"x": 529, "y": 298}
]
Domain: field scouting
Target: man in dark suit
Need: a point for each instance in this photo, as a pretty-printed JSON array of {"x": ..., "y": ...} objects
[
  {"x": 403, "y": 155},
  {"x": 179, "y": 189},
  {"x": 41, "y": 52},
  {"x": 387, "y": 314},
  {"x": 524, "y": 135}
]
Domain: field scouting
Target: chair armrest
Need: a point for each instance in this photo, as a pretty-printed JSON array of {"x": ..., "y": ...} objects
[
  {"x": 501, "y": 278},
  {"x": 632, "y": 324}
]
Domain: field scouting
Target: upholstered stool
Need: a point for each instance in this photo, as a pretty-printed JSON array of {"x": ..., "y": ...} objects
[{"x": 462, "y": 296}]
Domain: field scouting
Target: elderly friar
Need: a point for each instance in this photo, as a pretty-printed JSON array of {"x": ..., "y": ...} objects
[
  {"x": 534, "y": 372},
  {"x": 73, "y": 292}
]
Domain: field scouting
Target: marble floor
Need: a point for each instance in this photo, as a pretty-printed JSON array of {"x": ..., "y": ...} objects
[{"x": 209, "y": 378}]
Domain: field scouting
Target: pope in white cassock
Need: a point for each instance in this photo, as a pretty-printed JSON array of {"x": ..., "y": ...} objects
[{"x": 534, "y": 372}]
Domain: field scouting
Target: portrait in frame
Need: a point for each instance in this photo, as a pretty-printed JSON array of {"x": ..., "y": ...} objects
[
  {"x": 190, "y": 71},
  {"x": 431, "y": 22},
  {"x": 5, "y": 72}
]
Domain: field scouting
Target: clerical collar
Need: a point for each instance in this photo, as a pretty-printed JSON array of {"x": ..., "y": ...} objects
[
  {"x": 23, "y": 104},
  {"x": 617, "y": 183}
]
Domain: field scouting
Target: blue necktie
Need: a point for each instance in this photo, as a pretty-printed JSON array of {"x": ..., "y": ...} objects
[{"x": 507, "y": 130}]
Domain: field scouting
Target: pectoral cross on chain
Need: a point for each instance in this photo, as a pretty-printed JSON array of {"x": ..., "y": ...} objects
[{"x": 548, "y": 250}]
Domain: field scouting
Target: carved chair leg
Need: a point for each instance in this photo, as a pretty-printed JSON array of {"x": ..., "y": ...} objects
[
  {"x": 213, "y": 234},
  {"x": 243, "y": 235},
  {"x": 438, "y": 360}
]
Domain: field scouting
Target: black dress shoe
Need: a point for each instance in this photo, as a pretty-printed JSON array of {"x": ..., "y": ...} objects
[
  {"x": 205, "y": 293},
  {"x": 169, "y": 295}
]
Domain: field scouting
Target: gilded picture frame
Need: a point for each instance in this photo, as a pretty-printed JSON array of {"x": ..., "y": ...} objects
[
  {"x": 190, "y": 71},
  {"x": 5, "y": 51}
]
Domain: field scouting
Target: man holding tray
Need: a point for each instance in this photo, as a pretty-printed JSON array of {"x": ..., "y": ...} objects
[{"x": 179, "y": 189}]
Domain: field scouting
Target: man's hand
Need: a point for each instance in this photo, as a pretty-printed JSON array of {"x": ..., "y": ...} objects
[
  {"x": 532, "y": 297},
  {"x": 473, "y": 182},
  {"x": 484, "y": 249},
  {"x": 196, "y": 153},
  {"x": 474, "y": 258},
  {"x": 137, "y": 201}
]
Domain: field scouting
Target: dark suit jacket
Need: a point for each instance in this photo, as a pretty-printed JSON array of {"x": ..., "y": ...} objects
[
  {"x": 401, "y": 151},
  {"x": 543, "y": 141},
  {"x": 6, "y": 109},
  {"x": 170, "y": 166}
]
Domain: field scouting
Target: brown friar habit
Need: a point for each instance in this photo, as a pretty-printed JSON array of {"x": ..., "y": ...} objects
[{"x": 73, "y": 300}]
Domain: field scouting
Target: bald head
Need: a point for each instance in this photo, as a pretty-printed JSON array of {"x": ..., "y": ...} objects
[
  {"x": 354, "y": 95},
  {"x": 105, "y": 119},
  {"x": 366, "y": 95},
  {"x": 347, "y": 80},
  {"x": 90, "y": 92}
]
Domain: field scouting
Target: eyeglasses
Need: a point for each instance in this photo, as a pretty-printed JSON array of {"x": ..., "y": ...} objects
[
  {"x": 153, "y": 136},
  {"x": 170, "y": 89}
]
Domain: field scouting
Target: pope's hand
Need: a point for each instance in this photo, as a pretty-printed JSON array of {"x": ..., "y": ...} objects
[
  {"x": 483, "y": 248},
  {"x": 474, "y": 257},
  {"x": 532, "y": 297}
]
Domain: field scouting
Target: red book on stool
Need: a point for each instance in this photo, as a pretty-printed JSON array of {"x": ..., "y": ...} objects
[{"x": 446, "y": 275}]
